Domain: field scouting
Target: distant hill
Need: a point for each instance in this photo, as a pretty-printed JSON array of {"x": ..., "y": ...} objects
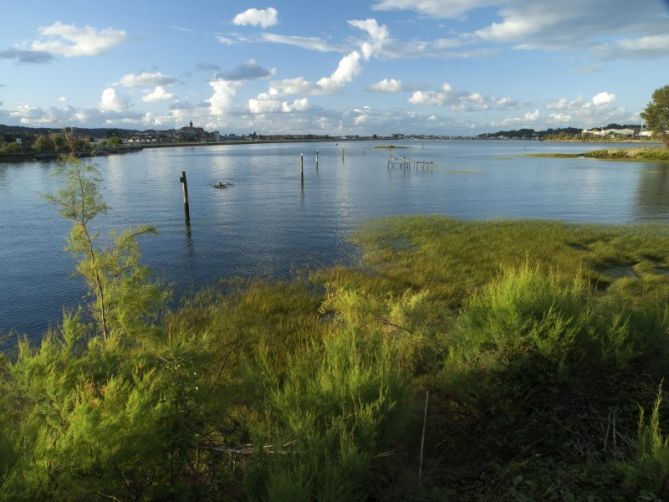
[{"x": 25, "y": 132}]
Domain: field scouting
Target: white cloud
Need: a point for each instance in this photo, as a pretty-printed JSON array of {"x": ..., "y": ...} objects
[
  {"x": 70, "y": 40},
  {"x": 146, "y": 79},
  {"x": 603, "y": 99},
  {"x": 631, "y": 29},
  {"x": 646, "y": 46},
  {"x": 390, "y": 85},
  {"x": 378, "y": 36},
  {"x": 257, "y": 17},
  {"x": 266, "y": 103},
  {"x": 111, "y": 101},
  {"x": 506, "y": 103},
  {"x": 518, "y": 24},
  {"x": 310, "y": 43},
  {"x": 580, "y": 112},
  {"x": 459, "y": 100},
  {"x": 438, "y": 98},
  {"x": 562, "y": 118},
  {"x": 349, "y": 66},
  {"x": 157, "y": 94},
  {"x": 221, "y": 100},
  {"x": 226, "y": 40},
  {"x": 526, "y": 120},
  {"x": 289, "y": 86},
  {"x": 380, "y": 44}
]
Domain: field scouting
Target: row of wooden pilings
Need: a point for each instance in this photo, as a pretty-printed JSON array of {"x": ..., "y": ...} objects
[{"x": 184, "y": 181}]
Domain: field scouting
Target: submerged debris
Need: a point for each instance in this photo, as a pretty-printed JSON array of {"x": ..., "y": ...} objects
[{"x": 222, "y": 186}]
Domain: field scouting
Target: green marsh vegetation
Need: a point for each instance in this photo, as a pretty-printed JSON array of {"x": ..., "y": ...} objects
[
  {"x": 628, "y": 154},
  {"x": 543, "y": 346}
]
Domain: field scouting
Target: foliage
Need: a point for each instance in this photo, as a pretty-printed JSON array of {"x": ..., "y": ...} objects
[
  {"x": 534, "y": 348},
  {"x": 649, "y": 469},
  {"x": 43, "y": 144},
  {"x": 11, "y": 148},
  {"x": 656, "y": 113},
  {"x": 123, "y": 296}
]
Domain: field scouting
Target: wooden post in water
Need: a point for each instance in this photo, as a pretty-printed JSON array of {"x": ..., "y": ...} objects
[
  {"x": 317, "y": 153},
  {"x": 343, "y": 153},
  {"x": 302, "y": 169},
  {"x": 184, "y": 186}
]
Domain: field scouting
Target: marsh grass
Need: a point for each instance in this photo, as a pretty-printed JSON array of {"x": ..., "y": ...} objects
[
  {"x": 629, "y": 154},
  {"x": 536, "y": 354}
]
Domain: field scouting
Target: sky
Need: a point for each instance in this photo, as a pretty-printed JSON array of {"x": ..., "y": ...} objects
[{"x": 452, "y": 67}]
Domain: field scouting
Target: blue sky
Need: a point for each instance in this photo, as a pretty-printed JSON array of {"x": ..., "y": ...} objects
[{"x": 344, "y": 67}]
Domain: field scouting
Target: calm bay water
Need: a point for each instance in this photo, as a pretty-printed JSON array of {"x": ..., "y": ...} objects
[{"x": 267, "y": 224}]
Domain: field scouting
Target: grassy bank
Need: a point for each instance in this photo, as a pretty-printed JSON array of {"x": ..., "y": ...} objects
[
  {"x": 627, "y": 154},
  {"x": 537, "y": 341}
]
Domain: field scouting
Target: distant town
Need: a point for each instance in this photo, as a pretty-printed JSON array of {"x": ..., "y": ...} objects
[{"x": 25, "y": 143}]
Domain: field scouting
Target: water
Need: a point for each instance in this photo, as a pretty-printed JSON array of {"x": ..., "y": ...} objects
[{"x": 268, "y": 225}]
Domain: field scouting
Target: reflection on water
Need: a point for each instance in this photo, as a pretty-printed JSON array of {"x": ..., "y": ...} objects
[
  {"x": 652, "y": 194},
  {"x": 272, "y": 221}
]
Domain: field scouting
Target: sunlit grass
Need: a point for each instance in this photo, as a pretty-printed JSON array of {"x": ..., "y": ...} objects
[{"x": 537, "y": 341}]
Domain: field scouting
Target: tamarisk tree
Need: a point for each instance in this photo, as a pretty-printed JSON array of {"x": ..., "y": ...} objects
[{"x": 123, "y": 295}]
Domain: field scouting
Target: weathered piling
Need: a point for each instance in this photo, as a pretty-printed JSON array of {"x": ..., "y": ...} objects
[
  {"x": 302, "y": 167},
  {"x": 184, "y": 187},
  {"x": 343, "y": 154},
  {"x": 317, "y": 154}
]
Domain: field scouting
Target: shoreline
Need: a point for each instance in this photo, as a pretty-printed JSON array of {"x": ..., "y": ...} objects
[
  {"x": 619, "y": 154},
  {"x": 17, "y": 158}
]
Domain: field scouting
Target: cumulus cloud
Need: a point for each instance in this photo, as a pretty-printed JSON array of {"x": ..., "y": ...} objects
[
  {"x": 437, "y": 98},
  {"x": 157, "y": 94},
  {"x": 290, "y": 86},
  {"x": 266, "y": 103},
  {"x": 603, "y": 99},
  {"x": 379, "y": 34},
  {"x": 461, "y": 100},
  {"x": 389, "y": 85},
  {"x": 526, "y": 120},
  {"x": 27, "y": 56},
  {"x": 246, "y": 71},
  {"x": 580, "y": 112},
  {"x": 110, "y": 101},
  {"x": 71, "y": 41},
  {"x": 257, "y": 17},
  {"x": 349, "y": 66},
  {"x": 562, "y": 118},
  {"x": 221, "y": 101},
  {"x": 146, "y": 79}
]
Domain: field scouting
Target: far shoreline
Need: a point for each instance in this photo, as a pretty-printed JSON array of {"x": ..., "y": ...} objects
[
  {"x": 17, "y": 158},
  {"x": 656, "y": 154}
]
